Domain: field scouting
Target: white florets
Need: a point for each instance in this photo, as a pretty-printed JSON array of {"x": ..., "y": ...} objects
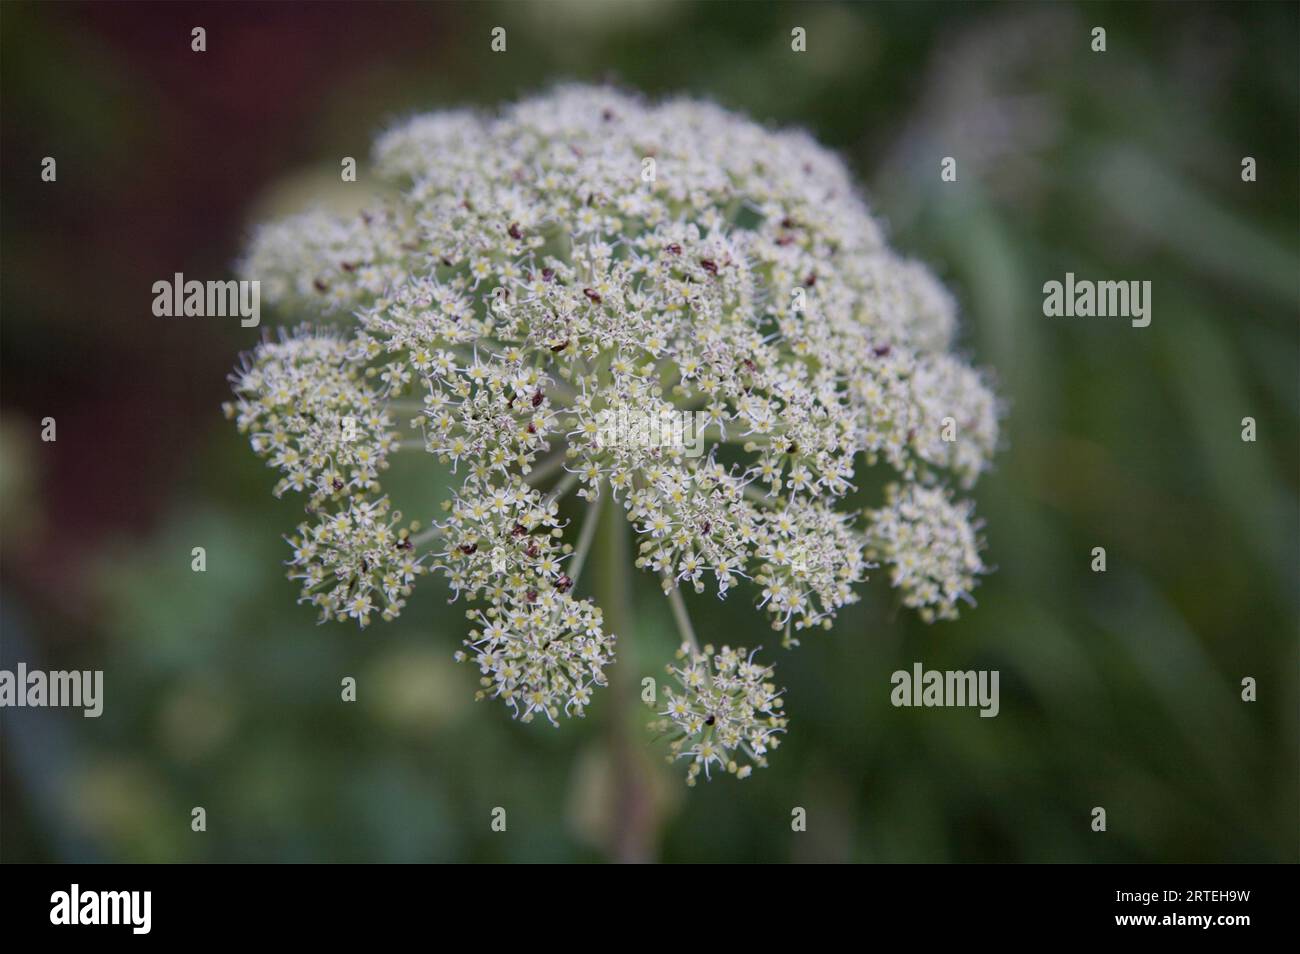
[
  {"x": 723, "y": 709},
  {"x": 356, "y": 562},
  {"x": 930, "y": 545},
  {"x": 540, "y": 652},
  {"x": 304, "y": 401},
  {"x": 583, "y": 252}
]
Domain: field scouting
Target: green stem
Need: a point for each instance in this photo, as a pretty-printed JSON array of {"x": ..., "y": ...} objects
[
  {"x": 611, "y": 575},
  {"x": 566, "y": 483},
  {"x": 592, "y": 520},
  {"x": 546, "y": 467},
  {"x": 683, "y": 619}
]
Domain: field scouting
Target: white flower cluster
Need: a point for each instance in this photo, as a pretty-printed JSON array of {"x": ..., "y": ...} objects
[
  {"x": 356, "y": 561},
  {"x": 581, "y": 251},
  {"x": 943, "y": 387},
  {"x": 930, "y": 545},
  {"x": 725, "y": 709},
  {"x": 541, "y": 652},
  {"x": 325, "y": 263},
  {"x": 304, "y": 401}
]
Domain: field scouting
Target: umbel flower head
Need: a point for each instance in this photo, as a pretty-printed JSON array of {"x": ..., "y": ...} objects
[
  {"x": 724, "y": 709},
  {"x": 540, "y": 271}
]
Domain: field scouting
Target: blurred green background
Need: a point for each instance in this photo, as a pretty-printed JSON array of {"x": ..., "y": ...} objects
[{"x": 1119, "y": 689}]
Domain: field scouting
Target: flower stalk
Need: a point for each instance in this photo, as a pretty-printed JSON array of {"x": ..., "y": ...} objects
[{"x": 632, "y": 809}]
